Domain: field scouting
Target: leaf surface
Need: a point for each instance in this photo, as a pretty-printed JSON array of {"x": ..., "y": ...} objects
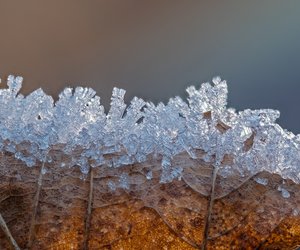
[{"x": 65, "y": 210}]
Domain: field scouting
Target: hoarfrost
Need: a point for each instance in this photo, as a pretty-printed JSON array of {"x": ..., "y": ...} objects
[
  {"x": 32, "y": 126},
  {"x": 262, "y": 181},
  {"x": 296, "y": 212},
  {"x": 284, "y": 192}
]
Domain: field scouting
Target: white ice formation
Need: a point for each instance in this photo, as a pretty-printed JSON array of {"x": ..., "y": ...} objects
[{"x": 33, "y": 125}]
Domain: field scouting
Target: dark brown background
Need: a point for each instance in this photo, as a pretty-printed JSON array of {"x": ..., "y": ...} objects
[{"x": 154, "y": 49}]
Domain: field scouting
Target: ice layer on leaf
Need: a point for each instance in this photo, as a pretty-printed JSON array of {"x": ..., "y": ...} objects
[{"x": 204, "y": 128}]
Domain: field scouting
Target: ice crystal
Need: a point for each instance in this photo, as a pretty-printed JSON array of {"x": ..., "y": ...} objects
[
  {"x": 262, "y": 181},
  {"x": 296, "y": 212},
  {"x": 32, "y": 126},
  {"x": 284, "y": 192}
]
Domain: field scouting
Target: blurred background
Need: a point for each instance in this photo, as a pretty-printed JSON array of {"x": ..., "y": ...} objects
[{"x": 156, "y": 48}]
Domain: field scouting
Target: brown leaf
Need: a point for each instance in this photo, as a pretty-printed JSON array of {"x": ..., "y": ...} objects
[{"x": 49, "y": 207}]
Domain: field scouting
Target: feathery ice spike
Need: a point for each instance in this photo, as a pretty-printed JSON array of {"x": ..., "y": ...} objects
[{"x": 32, "y": 126}]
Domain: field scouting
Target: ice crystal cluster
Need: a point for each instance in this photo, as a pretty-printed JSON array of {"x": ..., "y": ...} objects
[{"x": 33, "y": 125}]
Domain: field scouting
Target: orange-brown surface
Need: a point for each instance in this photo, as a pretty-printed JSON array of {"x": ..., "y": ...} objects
[{"x": 148, "y": 215}]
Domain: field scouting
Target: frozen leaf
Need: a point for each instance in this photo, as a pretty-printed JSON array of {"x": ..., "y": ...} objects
[{"x": 177, "y": 175}]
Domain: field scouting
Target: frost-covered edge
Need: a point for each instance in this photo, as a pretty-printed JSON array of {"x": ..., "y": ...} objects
[{"x": 33, "y": 125}]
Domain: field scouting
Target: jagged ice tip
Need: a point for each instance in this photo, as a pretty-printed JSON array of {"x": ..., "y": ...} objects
[{"x": 32, "y": 126}]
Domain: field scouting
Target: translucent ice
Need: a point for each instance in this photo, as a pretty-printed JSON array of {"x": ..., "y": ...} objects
[
  {"x": 284, "y": 192},
  {"x": 34, "y": 126},
  {"x": 14, "y": 83},
  {"x": 262, "y": 181}
]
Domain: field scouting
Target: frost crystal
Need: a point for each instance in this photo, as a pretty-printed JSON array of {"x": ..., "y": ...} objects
[
  {"x": 262, "y": 181},
  {"x": 14, "y": 83},
  {"x": 249, "y": 141},
  {"x": 284, "y": 192}
]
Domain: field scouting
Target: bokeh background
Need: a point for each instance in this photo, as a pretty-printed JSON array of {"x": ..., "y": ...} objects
[{"x": 156, "y": 48}]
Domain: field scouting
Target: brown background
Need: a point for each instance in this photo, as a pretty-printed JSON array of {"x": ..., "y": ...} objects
[{"x": 154, "y": 49}]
